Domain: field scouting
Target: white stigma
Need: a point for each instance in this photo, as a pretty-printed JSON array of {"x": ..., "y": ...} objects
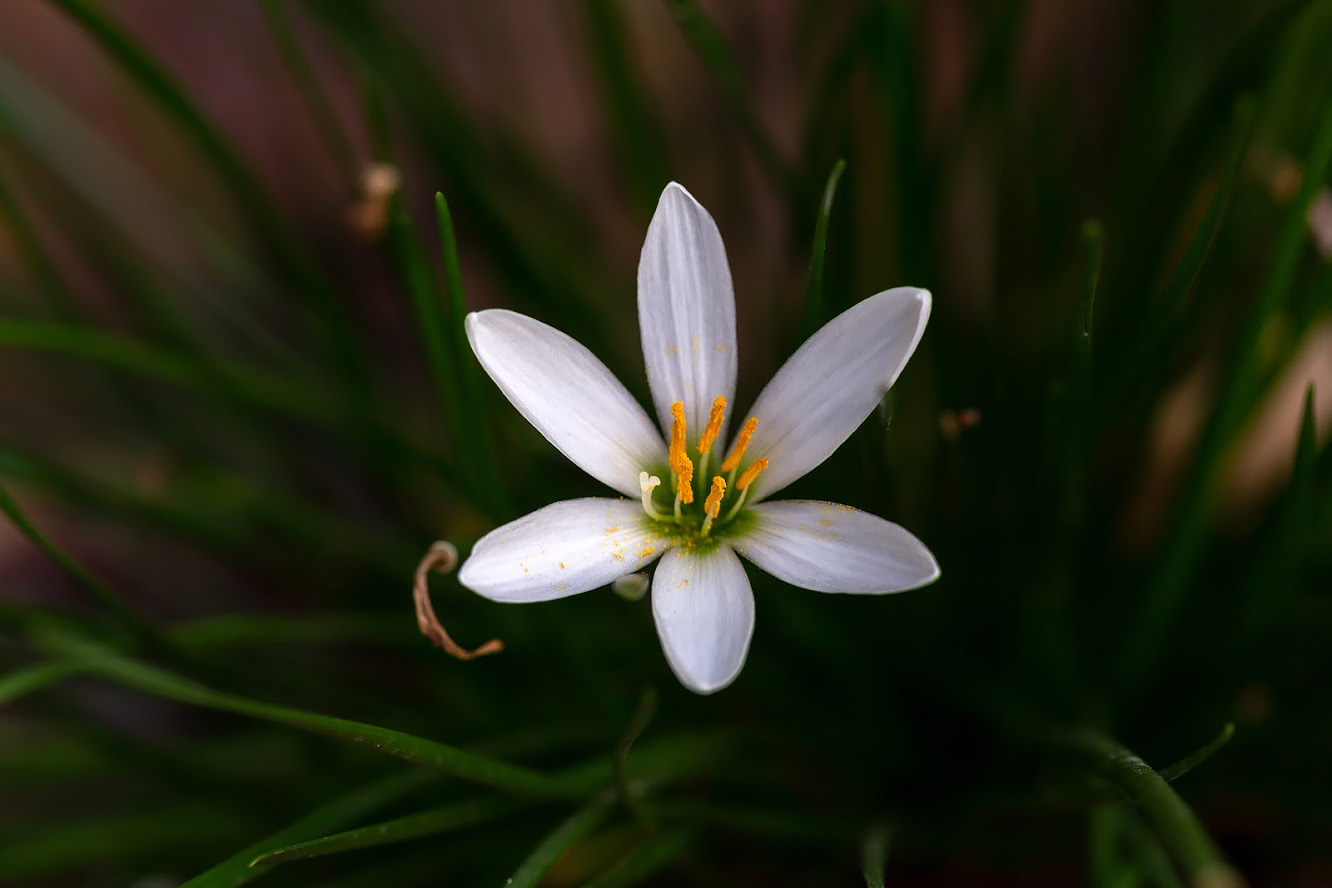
[{"x": 648, "y": 483}]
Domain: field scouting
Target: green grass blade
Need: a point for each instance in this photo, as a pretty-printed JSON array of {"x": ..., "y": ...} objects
[
  {"x": 240, "y": 180},
  {"x": 1093, "y": 258},
  {"x": 40, "y": 266},
  {"x": 1163, "y": 315},
  {"x": 628, "y": 106},
  {"x": 510, "y": 214},
  {"x": 1173, "y": 822},
  {"x": 237, "y": 869},
  {"x": 874, "y": 854},
  {"x": 34, "y": 678},
  {"x": 444, "y": 819},
  {"x": 1189, "y": 762},
  {"x": 646, "y": 859},
  {"x": 548, "y": 850},
  {"x": 434, "y": 323},
  {"x": 123, "y": 670},
  {"x": 814, "y": 307},
  {"x": 1276, "y": 567},
  {"x": 316, "y": 100},
  {"x": 242, "y": 508},
  {"x": 430, "y": 319},
  {"x": 475, "y": 427},
  {"x": 1166, "y": 593},
  {"x": 1151, "y": 859},
  {"x": 126, "y": 840},
  {"x": 388, "y": 447},
  {"x": 109, "y": 206},
  {"x": 892, "y": 54},
  {"x": 252, "y": 629},
  {"x": 154, "y": 82},
  {"x": 103, "y": 594},
  {"x": 720, "y": 62},
  {"x": 647, "y": 707},
  {"x": 141, "y": 358}
]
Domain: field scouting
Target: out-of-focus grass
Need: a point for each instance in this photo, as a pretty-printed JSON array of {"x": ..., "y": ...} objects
[{"x": 229, "y": 426}]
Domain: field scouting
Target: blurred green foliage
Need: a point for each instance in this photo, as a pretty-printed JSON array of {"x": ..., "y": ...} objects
[{"x": 229, "y": 430}]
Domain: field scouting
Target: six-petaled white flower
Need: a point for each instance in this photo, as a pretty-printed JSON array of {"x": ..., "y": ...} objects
[{"x": 694, "y": 504}]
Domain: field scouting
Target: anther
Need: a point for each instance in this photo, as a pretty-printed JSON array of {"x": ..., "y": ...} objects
[
  {"x": 686, "y": 472},
  {"x": 748, "y": 476},
  {"x": 741, "y": 443},
  {"x": 713, "y": 428},
  {"x": 681, "y": 465},
  {"x": 677, "y": 433},
  {"x": 712, "y": 505}
]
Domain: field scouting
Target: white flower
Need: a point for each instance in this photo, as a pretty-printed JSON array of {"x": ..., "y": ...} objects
[{"x": 687, "y": 505}]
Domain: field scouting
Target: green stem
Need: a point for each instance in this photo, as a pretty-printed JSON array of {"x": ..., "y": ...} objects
[
  {"x": 103, "y": 594},
  {"x": 874, "y": 854},
  {"x": 814, "y": 291},
  {"x": 647, "y": 706},
  {"x": 1174, "y": 823}
]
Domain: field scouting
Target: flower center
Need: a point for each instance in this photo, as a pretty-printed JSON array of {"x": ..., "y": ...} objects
[{"x": 725, "y": 495}]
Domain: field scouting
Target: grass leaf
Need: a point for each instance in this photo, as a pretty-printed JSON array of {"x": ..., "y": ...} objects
[
  {"x": 238, "y": 868},
  {"x": 549, "y": 849},
  {"x": 443, "y": 819},
  {"x": 106, "y": 663}
]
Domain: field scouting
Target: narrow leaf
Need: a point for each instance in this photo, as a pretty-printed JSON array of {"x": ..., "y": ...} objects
[
  {"x": 469, "y": 766},
  {"x": 874, "y": 854},
  {"x": 718, "y": 59},
  {"x": 22, "y": 682},
  {"x": 645, "y": 859},
  {"x": 237, "y": 869},
  {"x": 1189, "y": 762},
  {"x": 814, "y": 309},
  {"x": 544, "y": 855},
  {"x": 475, "y": 423},
  {"x": 99, "y": 591},
  {"x": 1174, "y": 823},
  {"x": 1164, "y": 596},
  {"x": 446, "y": 818}
]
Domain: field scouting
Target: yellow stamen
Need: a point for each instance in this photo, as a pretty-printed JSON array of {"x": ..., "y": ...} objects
[
  {"x": 677, "y": 453},
  {"x": 714, "y": 427},
  {"x": 681, "y": 465},
  {"x": 747, "y": 478},
  {"x": 686, "y": 472},
  {"x": 712, "y": 505},
  {"x": 741, "y": 442}
]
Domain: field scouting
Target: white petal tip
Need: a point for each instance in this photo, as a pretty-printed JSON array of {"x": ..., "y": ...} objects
[
  {"x": 704, "y": 689},
  {"x": 676, "y": 188}
]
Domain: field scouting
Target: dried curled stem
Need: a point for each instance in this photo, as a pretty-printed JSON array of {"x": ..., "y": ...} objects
[{"x": 442, "y": 557}]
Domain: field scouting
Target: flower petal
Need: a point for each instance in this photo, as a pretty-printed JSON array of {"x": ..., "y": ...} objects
[
  {"x": 562, "y": 549},
  {"x": 686, "y": 311},
  {"x": 704, "y": 610},
  {"x": 827, "y": 547},
  {"x": 835, "y": 380},
  {"x": 569, "y": 395}
]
